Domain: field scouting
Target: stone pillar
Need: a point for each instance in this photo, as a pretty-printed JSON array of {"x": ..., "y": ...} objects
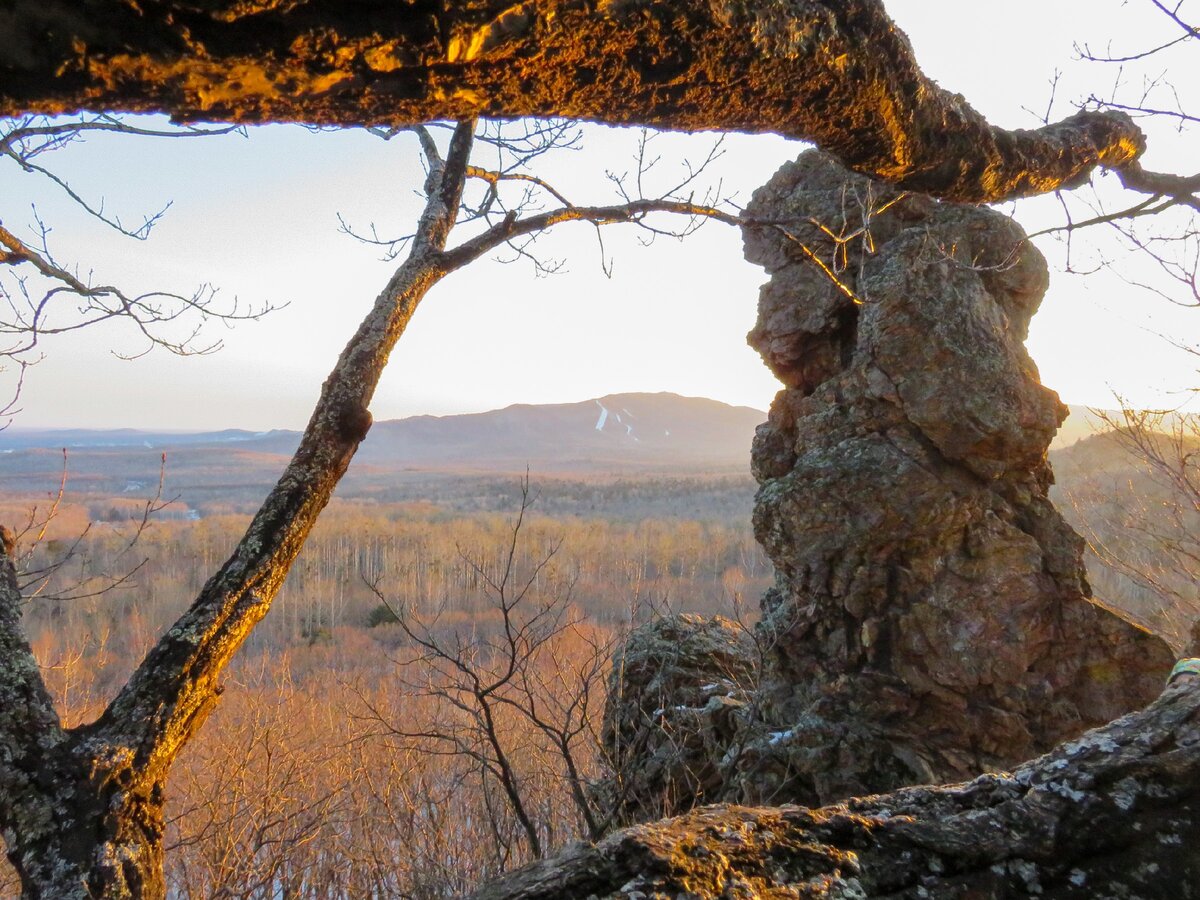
[{"x": 931, "y": 617}]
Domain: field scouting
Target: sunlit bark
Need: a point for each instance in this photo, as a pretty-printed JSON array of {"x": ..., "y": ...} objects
[
  {"x": 838, "y": 73},
  {"x": 1110, "y": 814}
]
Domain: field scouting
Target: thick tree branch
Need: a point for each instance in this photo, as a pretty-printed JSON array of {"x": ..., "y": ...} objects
[
  {"x": 840, "y": 74},
  {"x": 175, "y": 687},
  {"x": 1112, "y": 813},
  {"x": 1182, "y": 189}
]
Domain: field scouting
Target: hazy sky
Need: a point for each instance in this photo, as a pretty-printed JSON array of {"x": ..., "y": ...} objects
[{"x": 257, "y": 218}]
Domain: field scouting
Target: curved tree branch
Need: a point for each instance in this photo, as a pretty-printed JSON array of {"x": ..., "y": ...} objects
[{"x": 840, "y": 74}]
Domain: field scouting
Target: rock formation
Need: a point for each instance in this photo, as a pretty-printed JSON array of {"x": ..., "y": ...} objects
[
  {"x": 931, "y": 617},
  {"x": 1114, "y": 813},
  {"x": 678, "y": 697}
]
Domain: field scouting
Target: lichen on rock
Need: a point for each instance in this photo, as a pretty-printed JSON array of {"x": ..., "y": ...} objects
[
  {"x": 677, "y": 696},
  {"x": 931, "y": 617}
]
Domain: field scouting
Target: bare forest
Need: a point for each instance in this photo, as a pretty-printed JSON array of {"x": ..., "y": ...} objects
[
  {"x": 312, "y": 783},
  {"x": 322, "y": 773},
  {"x": 395, "y": 687}
]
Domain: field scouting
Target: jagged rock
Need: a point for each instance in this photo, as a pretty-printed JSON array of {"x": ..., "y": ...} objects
[
  {"x": 1114, "y": 813},
  {"x": 931, "y": 617},
  {"x": 677, "y": 688}
]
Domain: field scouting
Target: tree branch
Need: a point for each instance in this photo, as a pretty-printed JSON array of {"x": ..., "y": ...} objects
[
  {"x": 511, "y": 227},
  {"x": 177, "y": 684},
  {"x": 840, "y": 74}
]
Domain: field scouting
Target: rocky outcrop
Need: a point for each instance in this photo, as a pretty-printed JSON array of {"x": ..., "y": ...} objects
[
  {"x": 931, "y": 617},
  {"x": 1113, "y": 813},
  {"x": 678, "y": 694}
]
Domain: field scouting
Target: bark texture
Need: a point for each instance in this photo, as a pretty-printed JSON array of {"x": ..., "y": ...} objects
[
  {"x": 1112, "y": 814},
  {"x": 838, "y": 73}
]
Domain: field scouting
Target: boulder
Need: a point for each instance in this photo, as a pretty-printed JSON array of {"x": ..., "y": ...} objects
[{"x": 678, "y": 688}]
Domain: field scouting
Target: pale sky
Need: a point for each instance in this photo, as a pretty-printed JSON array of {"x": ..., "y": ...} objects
[{"x": 258, "y": 219}]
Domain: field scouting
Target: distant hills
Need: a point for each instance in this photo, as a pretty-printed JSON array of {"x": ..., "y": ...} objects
[
  {"x": 621, "y": 434},
  {"x": 617, "y": 431},
  {"x": 17, "y": 438},
  {"x": 1081, "y": 423}
]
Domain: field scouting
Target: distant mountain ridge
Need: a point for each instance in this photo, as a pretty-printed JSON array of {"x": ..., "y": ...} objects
[
  {"x": 1081, "y": 423},
  {"x": 614, "y": 435},
  {"x": 620, "y": 429},
  {"x": 85, "y": 438}
]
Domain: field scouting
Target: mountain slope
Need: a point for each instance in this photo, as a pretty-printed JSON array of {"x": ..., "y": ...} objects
[
  {"x": 615, "y": 435},
  {"x": 620, "y": 430}
]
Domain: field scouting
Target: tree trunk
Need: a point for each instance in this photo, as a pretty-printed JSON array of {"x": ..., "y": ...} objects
[
  {"x": 78, "y": 820},
  {"x": 840, "y": 74},
  {"x": 81, "y": 809},
  {"x": 89, "y": 835},
  {"x": 1114, "y": 813}
]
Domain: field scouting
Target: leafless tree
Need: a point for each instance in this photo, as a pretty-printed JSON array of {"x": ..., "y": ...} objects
[
  {"x": 517, "y": 698},
  {"x": 1142, "y": 520},
  {"x": 1157, "y": 235},
  {"x": 42, "y": 295},
  {"x": 128, "y": 752}
]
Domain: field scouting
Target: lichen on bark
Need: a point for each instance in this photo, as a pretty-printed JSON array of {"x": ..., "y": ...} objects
[{"x": 841, "y": 74}]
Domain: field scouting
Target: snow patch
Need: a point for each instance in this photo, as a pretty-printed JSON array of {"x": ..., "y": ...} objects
[
  {"x": 603, "y": 416},
  {"x": 778, "y": 737}
]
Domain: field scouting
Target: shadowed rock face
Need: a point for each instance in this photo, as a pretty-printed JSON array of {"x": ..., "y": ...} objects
[
  {"x": 931, "y": 617},
  {"x": 678, "y": 698}
]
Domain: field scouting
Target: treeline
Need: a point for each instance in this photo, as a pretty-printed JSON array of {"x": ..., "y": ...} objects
[
  {"x": 416, "y": 555},
  {"x": 320, "y": 775},
  {"x": 1134, "y": 495}
]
